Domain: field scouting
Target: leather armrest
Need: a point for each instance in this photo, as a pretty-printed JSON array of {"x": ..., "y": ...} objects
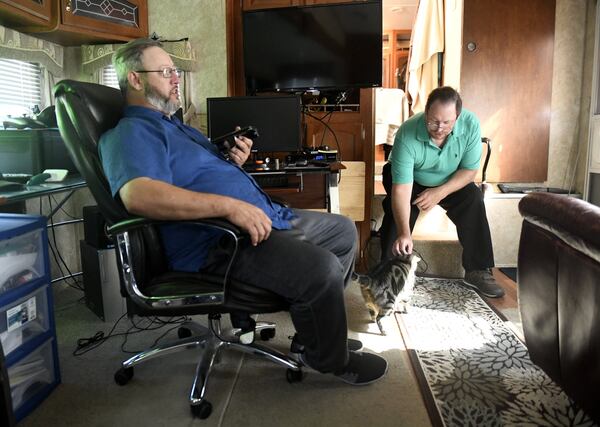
[
  {"x": 580, "y": 218},
  {"x": 133, "y": 223}
]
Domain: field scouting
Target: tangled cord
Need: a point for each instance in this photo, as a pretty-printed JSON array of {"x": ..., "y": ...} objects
[{"x": 90, "y": 343}]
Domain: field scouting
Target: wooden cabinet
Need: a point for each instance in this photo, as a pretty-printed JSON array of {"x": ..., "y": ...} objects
[
  {"x": 354, "y": 129},
  {"x": 348, "y": 128},
  {"x": 269, "y": 4},
  {"x": 395, "y": 46},
  {"x": 76, "y": 22},
  {"x": 24, "y": 12}
]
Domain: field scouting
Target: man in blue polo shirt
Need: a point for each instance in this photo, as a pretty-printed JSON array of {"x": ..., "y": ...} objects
[
  {"x": 434, "y": 162},
  {"x": 163, "y": 169}
]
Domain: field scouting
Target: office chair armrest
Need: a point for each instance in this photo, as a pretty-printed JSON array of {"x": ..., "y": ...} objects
[
  {"x": 133, "y": 223},
  {"x": 212, "y": 296}
]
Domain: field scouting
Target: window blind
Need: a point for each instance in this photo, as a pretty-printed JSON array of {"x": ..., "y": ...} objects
[
  {"x": 109, "y": 77},
  {"x": 20, "y": 87}
]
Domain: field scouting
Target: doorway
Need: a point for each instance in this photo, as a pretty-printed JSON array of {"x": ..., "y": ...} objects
[{"x": 391, "y": 108}]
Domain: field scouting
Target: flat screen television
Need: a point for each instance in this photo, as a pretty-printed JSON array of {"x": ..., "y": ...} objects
[
  {"x": 277, "y": 119},
  {"x": 335, "y": 46}
]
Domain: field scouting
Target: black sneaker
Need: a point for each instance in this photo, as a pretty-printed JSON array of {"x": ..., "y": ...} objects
[
  {"x": 483, "y": 282},
  {"x": 296, "y": 347},
  {"x": 361, "y": 369}
]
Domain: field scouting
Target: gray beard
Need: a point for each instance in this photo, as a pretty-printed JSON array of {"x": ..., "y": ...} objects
[{"x": 159, "y": 102}]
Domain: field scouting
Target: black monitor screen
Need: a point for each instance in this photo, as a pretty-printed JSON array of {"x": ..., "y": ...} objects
[
  {"x": 277, "y": 119},
  {"x": 313, "y": 47}
]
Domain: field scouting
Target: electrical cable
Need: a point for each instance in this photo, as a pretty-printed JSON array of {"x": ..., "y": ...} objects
[
  {"x": 76, "y": 285},
  {"x": 90, "y": 343}
]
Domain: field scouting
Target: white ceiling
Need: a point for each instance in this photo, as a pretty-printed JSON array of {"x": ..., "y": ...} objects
[{"x": 399, "y": 14}]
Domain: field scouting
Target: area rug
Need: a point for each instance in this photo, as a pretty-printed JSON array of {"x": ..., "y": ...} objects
[{"x": 473, "y": 369}]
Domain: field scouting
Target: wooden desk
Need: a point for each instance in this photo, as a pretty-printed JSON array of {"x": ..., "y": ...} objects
[{"x": 304, "y": 187}]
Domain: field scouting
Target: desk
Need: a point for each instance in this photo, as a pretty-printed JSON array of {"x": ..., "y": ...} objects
[
  {"x": 10, "y": 199},
  {"x": 70, "y": 183},
  {"x": 304, "y": 187}
]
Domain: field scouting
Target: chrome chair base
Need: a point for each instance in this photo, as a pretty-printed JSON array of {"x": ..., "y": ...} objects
[{"x": 212, "y": 341}]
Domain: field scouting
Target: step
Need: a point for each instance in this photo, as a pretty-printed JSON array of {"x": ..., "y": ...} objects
[{"x": 435, "y": 234}]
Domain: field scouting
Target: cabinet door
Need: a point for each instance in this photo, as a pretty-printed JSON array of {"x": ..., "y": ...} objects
[
  {"x": 126, "y": 18},
  {"x": 349, "y": 131},
  {"x": 25, "y": 12}
]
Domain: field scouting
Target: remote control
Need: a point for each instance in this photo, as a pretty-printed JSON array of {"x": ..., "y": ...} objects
[{"x": 225, "y": 142}]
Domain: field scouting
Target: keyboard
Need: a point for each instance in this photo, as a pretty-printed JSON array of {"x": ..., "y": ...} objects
[
  {"x": 271, "y": 181},
  {"x": 519, "y": 188},
  {"x": 16, "y": 177}
]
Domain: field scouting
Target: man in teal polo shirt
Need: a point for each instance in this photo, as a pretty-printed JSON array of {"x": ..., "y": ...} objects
[{"x": 434, "y": 162}]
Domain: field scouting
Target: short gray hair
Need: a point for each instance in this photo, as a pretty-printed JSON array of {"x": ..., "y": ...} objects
[{"x": 128, "y": 57}]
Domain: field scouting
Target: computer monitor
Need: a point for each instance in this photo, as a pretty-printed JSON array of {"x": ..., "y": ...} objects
[{"x": 277, "y": 119}]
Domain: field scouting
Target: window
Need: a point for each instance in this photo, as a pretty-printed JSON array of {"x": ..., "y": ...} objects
[
  {"x": 20, "y": 87},
  {"x": 109, "y": 77}
]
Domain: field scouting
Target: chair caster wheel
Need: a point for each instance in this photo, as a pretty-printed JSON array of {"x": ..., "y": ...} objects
[
  {"x": 267, "y": 334},
  {"x": 202, "y": 410},
  {"x": 294, "y": 376},
  {"x": 184, "y": 332},
  {"x": 123, "y": 375}
]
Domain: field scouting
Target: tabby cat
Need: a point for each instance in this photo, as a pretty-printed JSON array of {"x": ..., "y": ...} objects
[{"x": 387, "y": 285}]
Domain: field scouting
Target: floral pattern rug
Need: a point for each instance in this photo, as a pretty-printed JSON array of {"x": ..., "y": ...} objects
[{"x": 474, "y": 370}]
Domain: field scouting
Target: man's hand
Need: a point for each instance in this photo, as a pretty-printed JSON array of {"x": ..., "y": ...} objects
[
  {"x": 241, "y": 151},
  {"x": 251, "y": 219},
  {"x": 403, "y": 245},
  {"x": 429, "y": 198}
]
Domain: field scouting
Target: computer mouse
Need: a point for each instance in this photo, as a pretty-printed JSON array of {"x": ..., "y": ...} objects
[{"x": 38, "y": 179}]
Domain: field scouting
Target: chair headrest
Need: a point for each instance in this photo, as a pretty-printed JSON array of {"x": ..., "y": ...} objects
[{"x": 84, "y": 111}]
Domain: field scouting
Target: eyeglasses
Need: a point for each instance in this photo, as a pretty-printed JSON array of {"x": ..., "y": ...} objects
[
  {"x": 440, "y": 125},
  {"x": 167, "y": 72}
]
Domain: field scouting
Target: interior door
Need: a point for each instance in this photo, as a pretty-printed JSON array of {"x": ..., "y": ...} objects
[{"x": 506, "y": 80}]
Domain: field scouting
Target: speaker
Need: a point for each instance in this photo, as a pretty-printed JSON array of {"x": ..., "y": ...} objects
[{"x": 94, "y": 228}]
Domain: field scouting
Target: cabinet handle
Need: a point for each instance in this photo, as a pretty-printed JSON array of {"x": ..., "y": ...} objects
[
  {"x": 68, "y": 6},
  {"x": 362, "y": 131}
]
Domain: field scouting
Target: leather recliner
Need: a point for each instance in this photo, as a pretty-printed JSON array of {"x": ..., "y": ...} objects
[{"x": 559, "y": 292}]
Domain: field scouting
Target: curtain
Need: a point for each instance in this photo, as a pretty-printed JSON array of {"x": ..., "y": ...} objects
[
  {"x": 427, "y": 41},
  {"x": 50, "y": 56}
]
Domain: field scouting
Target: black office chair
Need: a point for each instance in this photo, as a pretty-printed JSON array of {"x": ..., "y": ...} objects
[{"x": 85, "y": 111}]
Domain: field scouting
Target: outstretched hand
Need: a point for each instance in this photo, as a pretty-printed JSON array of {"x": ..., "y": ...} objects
[{"x": 403, "y": 245}]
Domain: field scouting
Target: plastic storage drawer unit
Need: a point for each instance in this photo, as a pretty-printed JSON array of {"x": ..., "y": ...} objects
[
  {"x": 24, "y": 319},
  {"x": 32, "y": 378},
  {"x": 23, "y": 250},
  {"x": 26, "y": 311}
]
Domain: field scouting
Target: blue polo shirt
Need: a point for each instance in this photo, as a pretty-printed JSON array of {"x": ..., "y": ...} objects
[
  {"x": 147, "y": 143},
  {"x": 415, "y": 158}
]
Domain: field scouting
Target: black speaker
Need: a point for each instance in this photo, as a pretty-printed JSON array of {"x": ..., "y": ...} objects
[{"x": 94, "y": 228}]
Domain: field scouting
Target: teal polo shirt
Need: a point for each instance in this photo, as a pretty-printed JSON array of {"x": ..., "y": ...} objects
[{"x": 415, "y": 158}]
